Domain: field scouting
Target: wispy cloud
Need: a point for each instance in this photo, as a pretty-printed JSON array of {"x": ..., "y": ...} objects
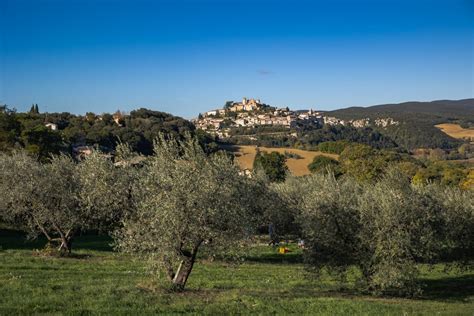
[{"x": 265, "y": 72}]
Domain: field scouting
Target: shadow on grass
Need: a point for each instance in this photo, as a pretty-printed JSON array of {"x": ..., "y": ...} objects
[
  {"x": 287, "y": 258},
  {"x": 449, "y": 289},
  {"x": 16, "y": 240},
  {"x": 453, "y": 289}
]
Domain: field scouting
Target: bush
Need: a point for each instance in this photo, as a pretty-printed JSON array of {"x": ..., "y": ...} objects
[
  {"x": 321, "y": 163},
  {"x": 290, "y": 155}
]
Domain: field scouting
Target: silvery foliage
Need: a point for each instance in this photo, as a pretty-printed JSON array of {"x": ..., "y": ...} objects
[
  {"x": 42, "y": 197},
  {"x": 106, "y": 189},
  {"x": 62, "y": 197},
  {"x": 326, "y": 211},
  {"x": 405, "y": 225},
  {"x": 186, "y": 199},
  {"x": 400, "y": 228},
  {"x": 457, "y": 231},
  {"x": 385, "y": 228}
]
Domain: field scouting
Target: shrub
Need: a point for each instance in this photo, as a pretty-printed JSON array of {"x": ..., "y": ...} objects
[{"x": 322, "y": 163}]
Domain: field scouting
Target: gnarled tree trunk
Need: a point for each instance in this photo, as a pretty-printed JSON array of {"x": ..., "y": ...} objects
[
  {"x": 185, "y": 268},
  {"x": 66, "y": 244},
  {"x": 66, "y": 239}
]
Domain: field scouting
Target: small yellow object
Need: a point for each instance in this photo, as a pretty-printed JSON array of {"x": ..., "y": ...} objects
[{"x": 283, "y": 250}]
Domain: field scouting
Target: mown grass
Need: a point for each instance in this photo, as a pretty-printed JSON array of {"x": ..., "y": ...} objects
[{"x": 100, "y": 281}]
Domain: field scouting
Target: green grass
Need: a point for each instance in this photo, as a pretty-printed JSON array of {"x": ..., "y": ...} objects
[{"x": 99, "y": 281}]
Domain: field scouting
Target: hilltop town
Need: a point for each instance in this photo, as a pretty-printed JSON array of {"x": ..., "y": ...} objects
[{"x": 252, "y": 113}]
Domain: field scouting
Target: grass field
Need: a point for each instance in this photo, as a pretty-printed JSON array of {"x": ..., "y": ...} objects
[
  {"x": 99, "y": 281},
  {"x": 456, "y": 131},
  {"x": 246, "y": 154}
]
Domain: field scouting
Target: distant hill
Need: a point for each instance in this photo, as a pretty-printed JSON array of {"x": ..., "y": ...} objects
[
  {"x": 417, "y": 121},
  {"x": 441, "y": 109}
]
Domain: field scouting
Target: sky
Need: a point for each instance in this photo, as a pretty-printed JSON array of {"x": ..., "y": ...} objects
[{"x": 186, "y": 57}]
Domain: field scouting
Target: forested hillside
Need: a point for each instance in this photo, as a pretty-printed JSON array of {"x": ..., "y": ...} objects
[
  {"x": 46, "y": 133},
  {"x": 441, "y": 109},
  {"x": 417, "y": 121}
]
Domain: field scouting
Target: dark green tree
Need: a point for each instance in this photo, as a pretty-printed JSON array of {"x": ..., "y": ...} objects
[
  {"x": 41, "y": 141},
  {"x": 9, "y": 129},
  {"x": 273, "y": 164},
  {"x": 322, "y": 163}
]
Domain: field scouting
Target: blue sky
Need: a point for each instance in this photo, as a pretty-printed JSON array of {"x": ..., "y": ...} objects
[{"x": 186, "y": 57}]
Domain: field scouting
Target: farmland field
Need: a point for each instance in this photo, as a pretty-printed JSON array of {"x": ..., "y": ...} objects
[
  {"x": 246, "y": 154},
  {"x": 456, "y": 131},
  {"x": 99, "y": 281}
]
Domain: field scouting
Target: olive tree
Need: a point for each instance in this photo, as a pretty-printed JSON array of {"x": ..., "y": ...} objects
[
  {"x": 384, "y": 228},
  {"x": 106, "y": 188},
  {"x": 456, "y": 235},
  {"x": 286, "y": 197},
  {"x": 44, "y": 198},
  {"x": 401, "y": 227},
  {"x": 324, "y": 209},
  {"x": 186, "y": 199}
]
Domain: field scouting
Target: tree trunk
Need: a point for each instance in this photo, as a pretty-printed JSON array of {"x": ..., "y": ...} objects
[
  {"x": 66, "y": 245},
  {"x": 185, "y": 268},
  {"x": 66, "y": 242}
]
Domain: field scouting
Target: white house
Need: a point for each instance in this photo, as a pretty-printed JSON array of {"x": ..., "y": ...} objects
[{"x": 52, "y": 126}]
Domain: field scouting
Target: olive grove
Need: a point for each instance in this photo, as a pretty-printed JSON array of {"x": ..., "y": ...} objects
[{"x": 182, "y": 202}]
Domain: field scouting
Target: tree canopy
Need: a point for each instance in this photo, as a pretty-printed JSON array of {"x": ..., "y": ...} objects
[
  {"x": 186, "y": 200},
  {"x": 273, "y": 164}
]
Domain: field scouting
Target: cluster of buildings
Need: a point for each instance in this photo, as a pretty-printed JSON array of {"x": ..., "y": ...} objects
[
  {"x": 247, "y": 105},
  {"x": 365, "y": 122},
  {"x": 252, "y": 112},
  {"x": 384, "y": 122}
]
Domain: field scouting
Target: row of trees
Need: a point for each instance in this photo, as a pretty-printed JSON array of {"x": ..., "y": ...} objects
[{"x": 183, "y": 199}]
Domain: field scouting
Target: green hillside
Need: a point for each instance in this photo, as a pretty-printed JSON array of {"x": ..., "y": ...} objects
[{"x": 417, "y": 121}]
